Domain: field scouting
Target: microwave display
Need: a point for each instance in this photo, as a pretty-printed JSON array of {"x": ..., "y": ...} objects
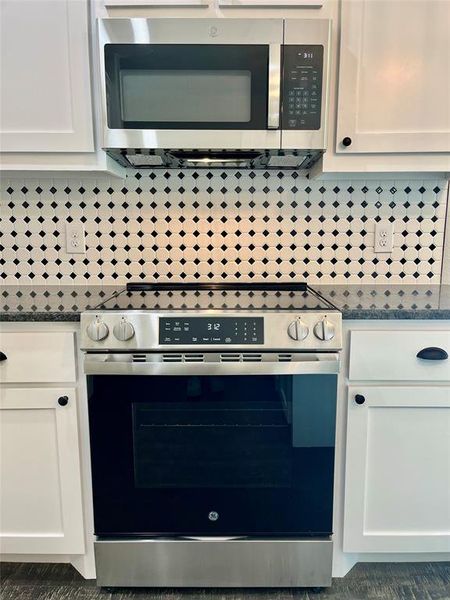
[{"x": 302, "y": 86}]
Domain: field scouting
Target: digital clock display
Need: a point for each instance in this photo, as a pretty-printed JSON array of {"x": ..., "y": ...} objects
[{"x": 211, "y": 330}]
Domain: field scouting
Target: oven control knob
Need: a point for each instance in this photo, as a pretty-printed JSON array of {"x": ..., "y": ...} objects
[
  {"x": 123, "y": 330},
  {"x": 97, "y": 330},
  {"x": 324, "y": 330},
  {"x": 298, "y": 330}
]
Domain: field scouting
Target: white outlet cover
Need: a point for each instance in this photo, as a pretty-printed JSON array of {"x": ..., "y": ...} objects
[
  {"x": 384, "y": 236},
  {"x": 75, "y": 243}
]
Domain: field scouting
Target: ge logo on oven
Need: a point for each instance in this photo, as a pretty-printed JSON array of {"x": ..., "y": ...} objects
[{"x": 213, "y": 515}]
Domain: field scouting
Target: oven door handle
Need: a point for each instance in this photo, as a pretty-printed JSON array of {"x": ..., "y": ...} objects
[
  {"x": 155, "y": 364},
  {"x": 274, "y": 83}
]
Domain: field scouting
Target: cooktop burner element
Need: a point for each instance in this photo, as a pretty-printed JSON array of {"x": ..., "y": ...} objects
[{"x": 150, "y": 317}]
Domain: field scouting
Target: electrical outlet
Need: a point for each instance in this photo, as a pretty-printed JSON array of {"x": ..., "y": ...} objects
[
  {"x": 384, "y": 236},
  {"x": 75, "y": 243}
]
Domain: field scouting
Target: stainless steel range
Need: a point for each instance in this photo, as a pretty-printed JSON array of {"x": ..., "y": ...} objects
[{"x": 212, "y": 418}]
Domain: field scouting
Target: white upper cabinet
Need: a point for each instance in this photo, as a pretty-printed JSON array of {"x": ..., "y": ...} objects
[
  {"x": 394, "y": 77},
  {"x": 45, "y": 92}
]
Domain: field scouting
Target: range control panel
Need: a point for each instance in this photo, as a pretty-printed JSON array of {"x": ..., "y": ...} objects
[
  {"x": 302, "y": 86},
  {"x": 211, "y": 330}
]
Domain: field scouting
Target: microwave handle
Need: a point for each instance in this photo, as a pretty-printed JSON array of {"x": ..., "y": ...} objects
[{"x": 273, "y": 104}]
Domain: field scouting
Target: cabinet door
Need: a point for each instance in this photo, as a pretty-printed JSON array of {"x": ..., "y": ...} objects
[
  {"x": 397, "y": 471},
  {"x": 41, "y": 507},
  {"x": 44, "y": 76},
  {"x": 394, "y": 76}
]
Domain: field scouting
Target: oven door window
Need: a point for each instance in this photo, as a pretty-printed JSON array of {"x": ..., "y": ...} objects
[
  {"x": 170, "y": 451},
  {"x": 159, "y": 86},
  {"x": 222, "y": 435}
]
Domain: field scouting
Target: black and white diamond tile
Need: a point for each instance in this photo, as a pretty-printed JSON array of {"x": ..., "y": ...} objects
[{"x": 234, "y": 225}]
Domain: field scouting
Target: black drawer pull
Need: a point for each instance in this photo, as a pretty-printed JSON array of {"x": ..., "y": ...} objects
[
  {"x": 63, "y": 400},
  {"x": 2, "y": 356},
  {"x": 432, "y": 354},
  {"x": 359, "y": 399}
]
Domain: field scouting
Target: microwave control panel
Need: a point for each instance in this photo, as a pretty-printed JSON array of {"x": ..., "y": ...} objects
[{"x": 302, "y": 86}]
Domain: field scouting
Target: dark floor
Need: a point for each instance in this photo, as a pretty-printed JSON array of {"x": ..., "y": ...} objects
[{"x": 381, "y": 581}]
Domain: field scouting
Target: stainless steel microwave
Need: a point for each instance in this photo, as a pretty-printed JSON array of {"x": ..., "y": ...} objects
[{"x": 214, "y": 92}]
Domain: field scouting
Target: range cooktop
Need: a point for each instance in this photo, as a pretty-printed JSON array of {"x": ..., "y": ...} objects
[
  {"x": 216, "y": 296},
  {"x": 154, "y": 316}
]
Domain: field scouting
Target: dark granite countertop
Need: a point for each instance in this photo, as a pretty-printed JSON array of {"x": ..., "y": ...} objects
[{"x": 29, "y": 303}]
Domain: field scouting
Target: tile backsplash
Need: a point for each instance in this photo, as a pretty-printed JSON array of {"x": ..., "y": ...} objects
[{"x": 240, "y": 225}]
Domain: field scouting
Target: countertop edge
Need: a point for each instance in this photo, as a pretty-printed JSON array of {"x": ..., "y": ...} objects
[
  {"x": 347, "y": 315},
  {"x": 381, "y": 314},
  {"x": 18, "y": 317}
]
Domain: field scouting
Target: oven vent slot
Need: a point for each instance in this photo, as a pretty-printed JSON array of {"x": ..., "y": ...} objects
[
  {"x": 240, "y": 357},
  {"x": 139, "y": 358},
  {"x": 229, "y": 357},
  {"x": 247, "y": 357},
  {"x": 172, "y": 358},
  {"x": 183, "y": 358},
  {"x": 284, "y": 357},
  {"x": 194, "y": 358}
]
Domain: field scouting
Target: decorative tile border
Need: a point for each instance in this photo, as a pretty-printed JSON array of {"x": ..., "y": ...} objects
[{"x": 235, "y": 225}]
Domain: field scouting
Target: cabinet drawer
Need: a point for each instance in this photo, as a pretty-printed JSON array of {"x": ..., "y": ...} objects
[
  {"x": 37, "y": 357},
  {"x": 392, "y": 356}
]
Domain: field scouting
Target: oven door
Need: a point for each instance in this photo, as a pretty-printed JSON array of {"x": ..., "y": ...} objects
[
  {"x": 192, "y": 452},
  {"x": 191, "y": 83}
]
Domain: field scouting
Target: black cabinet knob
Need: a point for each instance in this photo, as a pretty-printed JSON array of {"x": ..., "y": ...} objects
[
  {"x": 432, "y": 353},
  {"x": 63, "y": 400},
  {"x": 359, "y": 399},
  {"x": 2, "y": 356},
  {"x": 347, "y": 142}
]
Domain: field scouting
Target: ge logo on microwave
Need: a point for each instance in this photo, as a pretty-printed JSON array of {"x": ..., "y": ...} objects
[
  {"x": 213, "y": 515},
  {"x": 213, "y": 31}
]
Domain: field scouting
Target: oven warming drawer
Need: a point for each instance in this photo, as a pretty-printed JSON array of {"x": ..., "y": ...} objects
[{"x": 214, "y": 562}]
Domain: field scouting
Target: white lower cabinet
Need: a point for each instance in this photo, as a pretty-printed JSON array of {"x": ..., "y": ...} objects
[
  {"x": 37, "y": 357},
  {"x": 397, "y": 474},
  {"x": 387, "y": 355},
  {"x": 41, "y": 502}
]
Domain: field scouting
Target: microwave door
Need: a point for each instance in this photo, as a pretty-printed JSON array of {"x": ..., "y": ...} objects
[{"x": 212, "y": 84}]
